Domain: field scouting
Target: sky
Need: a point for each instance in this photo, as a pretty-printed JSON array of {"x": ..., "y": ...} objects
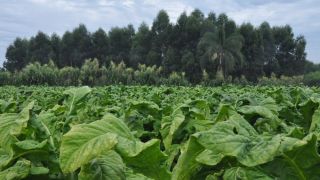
[{"x": 24, "y": 18}]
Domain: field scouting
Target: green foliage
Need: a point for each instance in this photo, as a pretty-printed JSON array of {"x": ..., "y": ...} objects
[
  {"x": 69, "y": 76},
  {"x": 89, "y": 71},
  {"x": 283, "y": 80},
  {"x": 5, "y": 77},
  {"x": 196, "y": 42},
  {"x": 177, "y": 79},
  {"x": 312, "y": 78},
  {"x": 221, "y": 51},
  {"x": 92, "y": 74},
  {"x": 36, "y": 74},
  {"x": 147, "y": 75},
  {"x": 144, "y": 132}
]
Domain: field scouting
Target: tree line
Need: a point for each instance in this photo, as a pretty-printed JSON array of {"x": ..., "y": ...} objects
[
  {"x": 196, "y": 44},
  {"x": 91, "y": 73}
]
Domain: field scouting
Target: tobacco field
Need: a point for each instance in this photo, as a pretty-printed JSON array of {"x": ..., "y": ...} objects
[{"x": 161, "y": 133}]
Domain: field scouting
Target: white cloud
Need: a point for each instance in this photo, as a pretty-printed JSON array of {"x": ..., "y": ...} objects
[
  {"x": 173, "y": 7},
  {"x": 128, "y": 3},
  {"x": 106, "y": 3},
  {"x": 151, "y": 2},
  {"x": 39, "y": 1}
]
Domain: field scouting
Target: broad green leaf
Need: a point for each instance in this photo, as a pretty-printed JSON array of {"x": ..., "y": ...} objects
[
  {"x": 85, "y": 142},
  {"x": 47, "y": 125},
  {"x": 307, "y": 109},
  {"x": 212, "y": 177},
  {"x": 185, "y": 120},
  {"x": 187, "y": 165},
  {"x": 76, "y": 95},
  {"x": 12, "y": 124},
  {"x": 5, "y": 157},
  {"x": 19, "y": 170},
  {"x": 258, "y": 110},
  {"x": 237, "y": 138},
  {"x": 315, "y": 123},
  {"x": 261, "y": 101},
  {"x": 130, "y": 175},
  {"x": 39, "y": 170},
  {"x": 6, "y": 107},
  {"x": 144, "y": 107},
  {"x": 30, "y": 148},
  {"x": 244, "y": 173},
  {"x": 209, "y": 157},
  {"x": 143, "y": 117},
  {"x": 107, "y": 166},
  {"x": 150, "y": 161},
  {"x": 30, "y": 144},
  {"x": 270, "y": 120},
  {"x": 301, "y": 163},
  {"x": 170, "y": 125},
  {"x": 172, "y": 153},
  {"x": 200, "y": 109},
  {"x": 78, "y": 150},
  {"x": 224, "y": 112}
]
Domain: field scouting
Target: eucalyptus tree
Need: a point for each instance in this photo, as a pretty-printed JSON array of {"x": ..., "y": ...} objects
[
  {"x": 300, "y": 59},
  {"x": 161, "y": 28},
  {"x": 100, "y": 42},
  {"x": 40, "y": 48},
  {"x": 141, "y": 43},
  {"x": 120, "y": 43},
  {"x": 17, "y": 55},
  {"x": 221, "y": 50},
  {"x": 252, "y": 51},
  {"x": 270, "y": 63},
  {"x": 76, "y": 46},
  {"x": 290, "y": 51},
  {"x": 56, "y": 48}
]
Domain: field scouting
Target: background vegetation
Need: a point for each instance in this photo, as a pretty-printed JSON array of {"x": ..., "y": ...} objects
[
  {"x": 197, "y": 49},
  {"x": 92, "y": 74}
]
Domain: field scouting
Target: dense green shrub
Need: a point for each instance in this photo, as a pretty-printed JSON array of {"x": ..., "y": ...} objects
[
  {"x": 93, "y": 74},
  {"x": 36, "y": 74},
  {"x": 176, "y": 79},
  {"x": 147, "y": 74},
  {"x": 5, "y": 77},
  {"x": 312, "y": 79},
  {"x": 89, "y": 72},
  {"x": 119, "y": 74},
  {"x": 69, "y": 76},
  {"x": 283, "y": 80}
]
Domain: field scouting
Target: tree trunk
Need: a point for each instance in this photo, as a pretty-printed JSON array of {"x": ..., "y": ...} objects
[{"x": 220, "y": 69}]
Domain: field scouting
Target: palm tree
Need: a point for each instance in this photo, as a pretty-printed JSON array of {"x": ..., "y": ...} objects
[{"x": 225, "y": 51}]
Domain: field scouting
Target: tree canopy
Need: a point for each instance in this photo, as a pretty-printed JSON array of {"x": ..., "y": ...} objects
[{"x": 196, "y": 43}]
